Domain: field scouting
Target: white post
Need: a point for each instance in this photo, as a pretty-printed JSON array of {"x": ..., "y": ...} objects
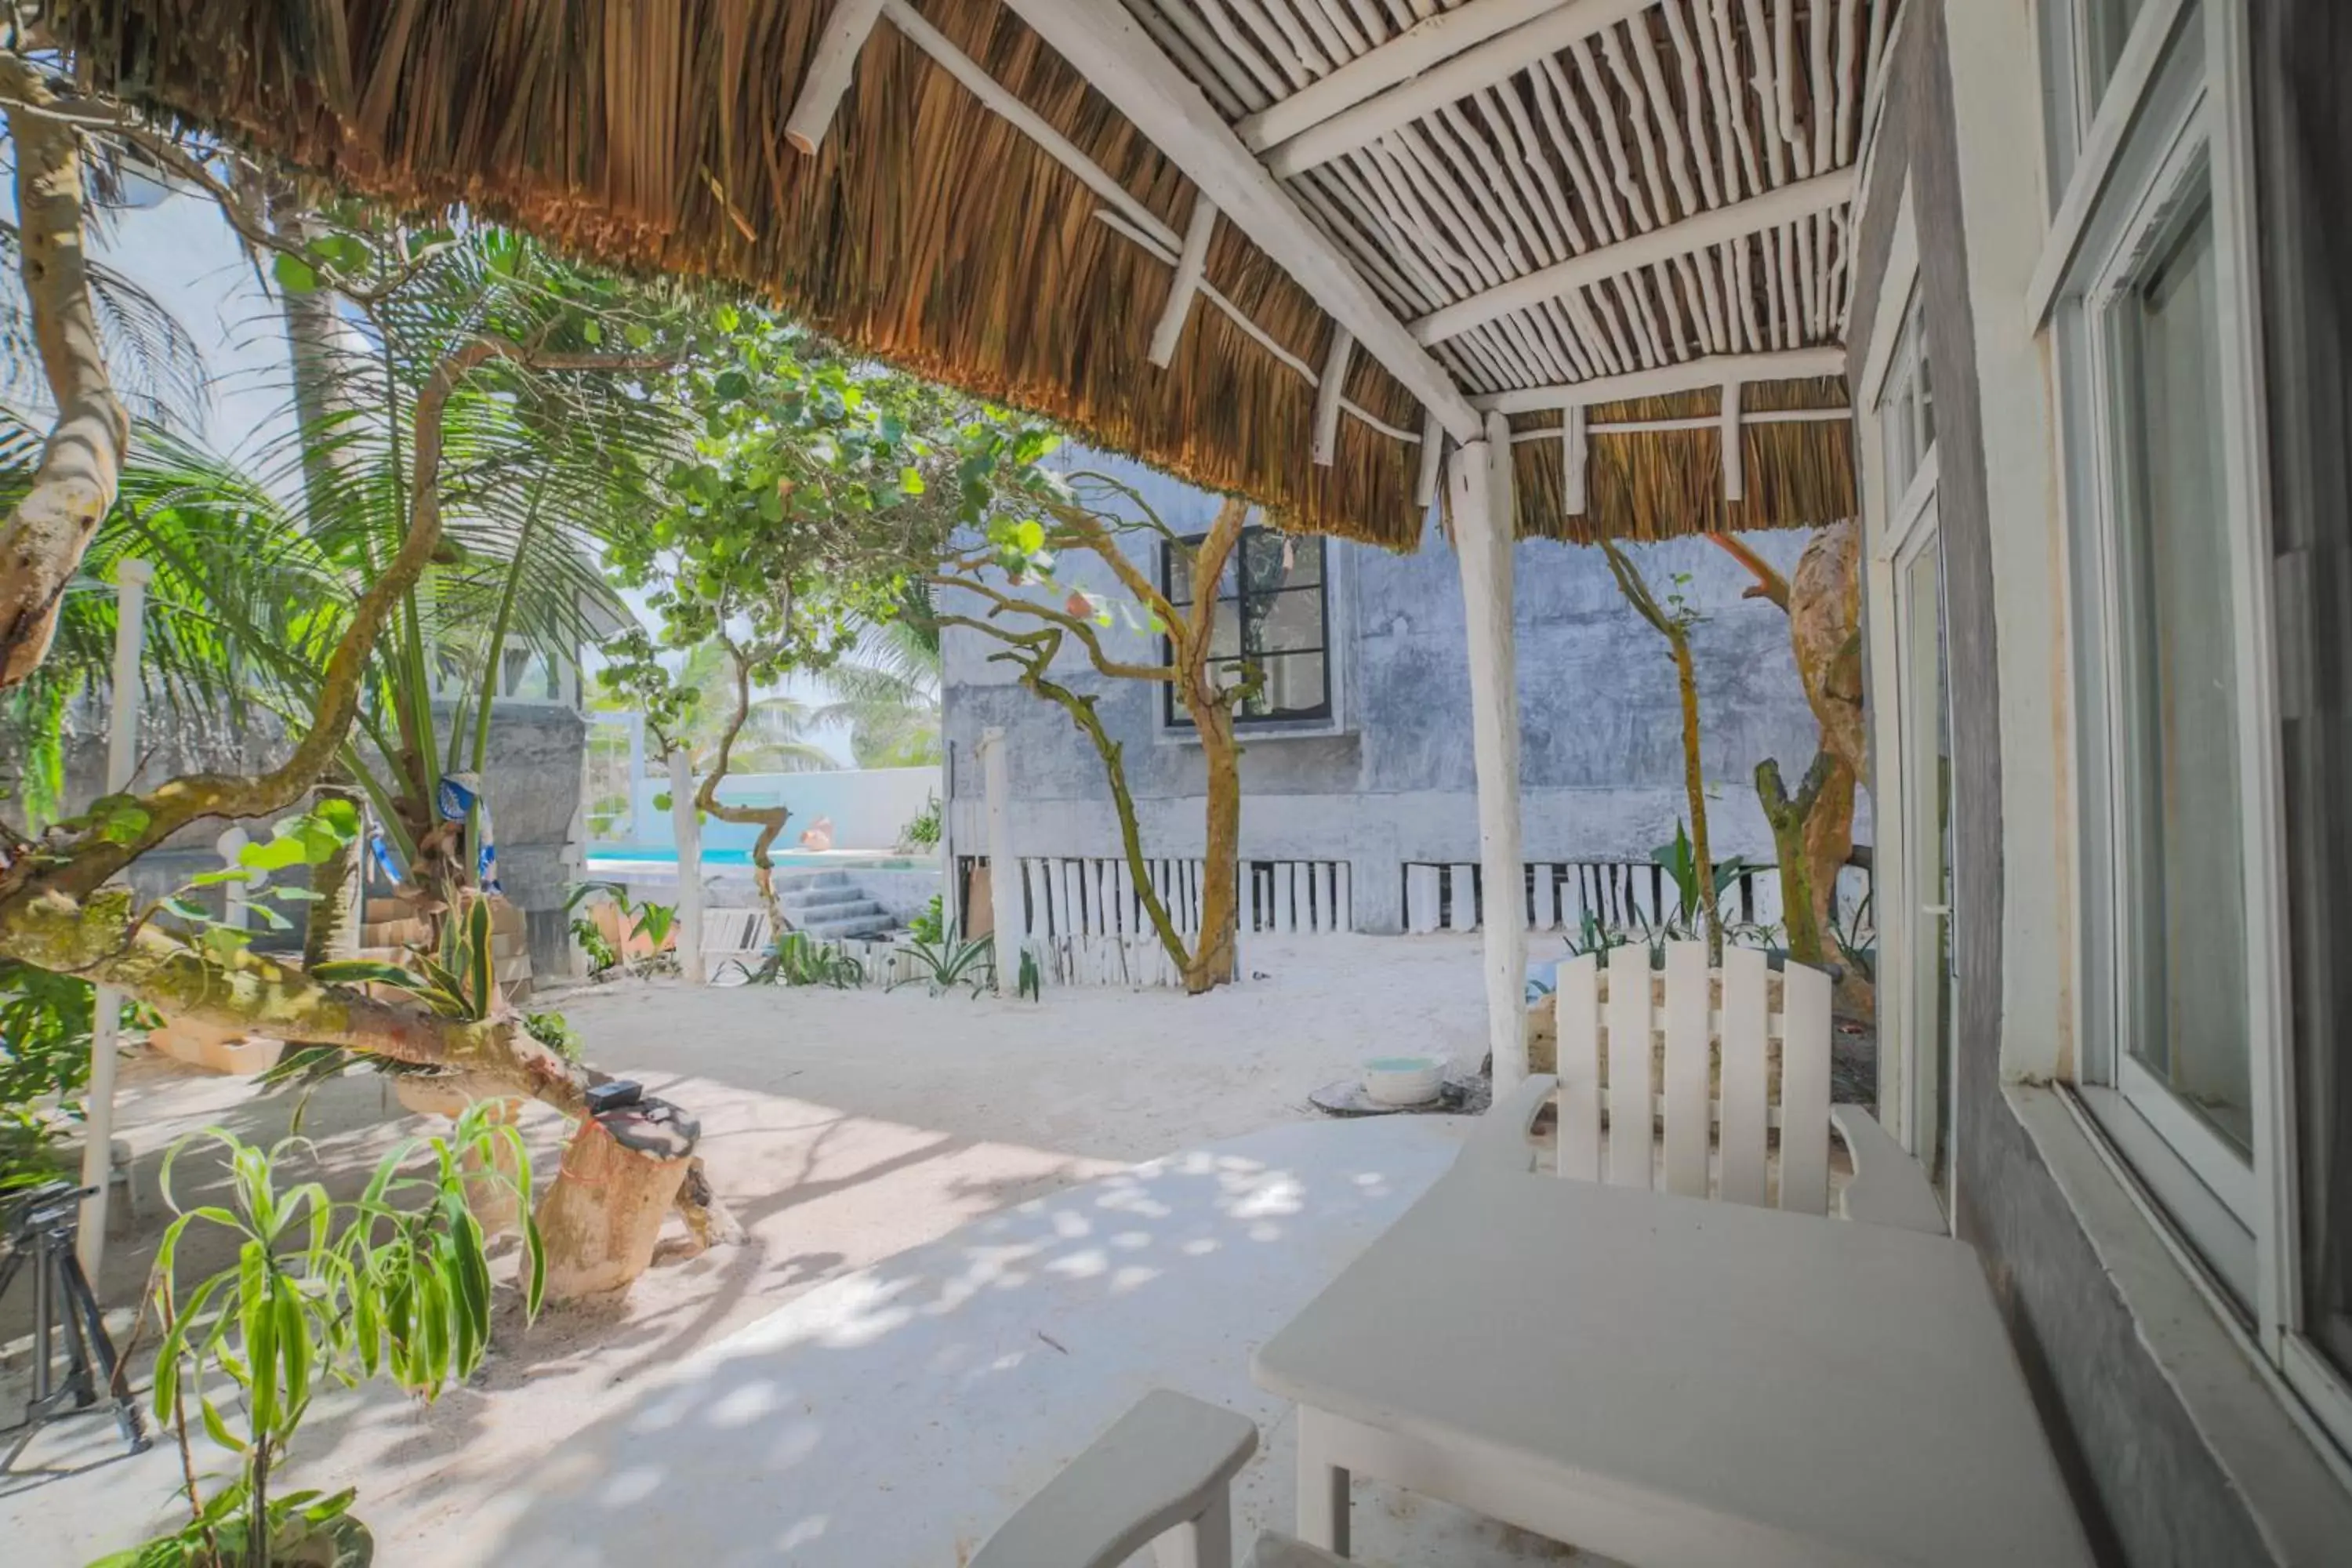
[
  {"x": 237, "y": 896},
  {"x": 1483, "y": 531},
  {"x": 122, "y": 754},
  {"x": 1004, "y": 867},
  {"x": 689, "y": 834},
  {"x": 637, "y": 823}
]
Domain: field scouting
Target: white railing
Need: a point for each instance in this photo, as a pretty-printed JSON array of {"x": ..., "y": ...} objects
[{"x": 1447, "y": 896}]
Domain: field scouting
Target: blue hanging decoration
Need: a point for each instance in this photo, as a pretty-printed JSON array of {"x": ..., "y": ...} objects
[
  {"x": 383, "y": 853},
  {"x": 460, "y": 793}
]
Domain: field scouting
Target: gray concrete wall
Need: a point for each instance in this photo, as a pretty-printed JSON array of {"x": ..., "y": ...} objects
[
  {"x": 2150, "y": 1489},
  {"x": 1602, "y": 769}
]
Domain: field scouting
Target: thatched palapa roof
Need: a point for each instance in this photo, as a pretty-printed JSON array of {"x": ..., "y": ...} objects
[{"x": 1513, "y": 204}]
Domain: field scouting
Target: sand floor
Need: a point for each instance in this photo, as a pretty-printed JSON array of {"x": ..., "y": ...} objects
[{"x": 843, "y": 1128}]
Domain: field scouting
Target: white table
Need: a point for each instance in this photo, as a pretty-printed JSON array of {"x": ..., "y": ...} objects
[{"x": 1665, "y": 1380}]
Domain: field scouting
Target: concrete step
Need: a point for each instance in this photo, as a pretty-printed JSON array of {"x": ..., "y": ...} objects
[
  {"x": 869, "y": 922},
  {"x": 803, "y": 882},
  {"x": 817, "y": 898}
]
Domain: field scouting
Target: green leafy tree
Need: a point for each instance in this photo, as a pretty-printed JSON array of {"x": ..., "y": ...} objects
[{"x": 794, "y": 525}]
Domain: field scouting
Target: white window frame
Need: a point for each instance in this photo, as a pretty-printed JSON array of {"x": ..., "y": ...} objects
[
  {"x": 1339, "y": 661},
  {"x": 2178, "y": 116}
]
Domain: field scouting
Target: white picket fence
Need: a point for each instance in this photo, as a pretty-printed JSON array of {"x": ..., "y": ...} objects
[
  {"x": 1559, "y": 893},
  {"x": 1097, "y": 897}
]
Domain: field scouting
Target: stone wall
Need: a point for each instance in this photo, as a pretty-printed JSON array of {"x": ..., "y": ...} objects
[{"x": 1602, "y": 770}]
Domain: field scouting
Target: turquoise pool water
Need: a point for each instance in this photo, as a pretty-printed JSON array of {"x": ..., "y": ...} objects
[{"x": 667, "y": 855}]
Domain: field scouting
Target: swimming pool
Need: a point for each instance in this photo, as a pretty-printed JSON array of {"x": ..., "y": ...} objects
[{"x": 604, "y": 855}]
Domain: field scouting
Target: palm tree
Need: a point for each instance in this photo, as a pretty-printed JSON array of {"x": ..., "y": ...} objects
[{"x": 887, "y": 692}]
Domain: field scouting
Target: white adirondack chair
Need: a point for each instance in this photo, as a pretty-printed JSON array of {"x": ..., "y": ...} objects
[
  {"x": 1162, "y": 1475},
  {"x": 1727, "y": 1014},
  {"x": 741, "y": 934}
]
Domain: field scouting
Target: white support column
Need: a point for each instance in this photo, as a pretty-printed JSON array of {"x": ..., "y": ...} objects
[
  {"x": 1004, "y": 867},
  {"x": 1483, "y": 531},
  {"x": 121, "y": 755},
  {"x": 1735, "y": 455},
  {"x": 1189, "y": 263},
  {"x": 1433, "y": 455},
  {"x": 688, "y": 831},
  {"x": 846, "y": 32},
  {"x": 237, "y": 897}
]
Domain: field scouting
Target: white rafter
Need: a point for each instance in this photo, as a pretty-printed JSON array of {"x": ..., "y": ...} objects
[
  {"x": 1103, "y": 44},
  {"x": 846, "y": 32},
  {"x": 1496, "y": 60},
  {"x": 1691, "y": 375},
  {"x": 1788, "y": 202}
]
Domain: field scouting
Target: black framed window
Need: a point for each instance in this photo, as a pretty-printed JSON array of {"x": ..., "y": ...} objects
[{"x": 1272, "y": 612}]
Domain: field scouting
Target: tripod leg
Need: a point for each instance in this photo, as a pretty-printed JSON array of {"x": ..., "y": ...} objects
[{"x": 85, "y": 1304}]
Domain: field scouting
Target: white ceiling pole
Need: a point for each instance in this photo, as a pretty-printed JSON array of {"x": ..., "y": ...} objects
[
  {"x": 1189, "y": 262},
  {"x": 1450, "y": 80},
  {"x": 1691, "y": 375},
  {"x": 1402, "y": 57},
  {"x": 1327, "y": 394},
  {"x": 1785, "y": 204},
  {"x": 1575, "y": 452},
  {"x": 1110, "y": 50},
  {"x": 846, "y": 32},
  {"x": 1734, "y": 454}
]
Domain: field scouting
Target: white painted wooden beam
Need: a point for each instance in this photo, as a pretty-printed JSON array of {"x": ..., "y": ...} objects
[
  {"x": 1189, "y": 262},
  {"x": 1327, "y": 395},
  {"x": 1691, "y": 375},
  {"x": 1735, "y": 456},
  {"x": 1697, "y": 422},
  {"x": 846, "y": 32},
  {"x": 1426, "y": 43},
  {"x": 1450, "y": 80},
  {"x": 1107, "y": 47},
  {"x": 1433, "y": 453},
  {"x": 1575, "y": 453},
  {"x": 1485, "y": 530},
  {"x": 1784, "y": 205}
]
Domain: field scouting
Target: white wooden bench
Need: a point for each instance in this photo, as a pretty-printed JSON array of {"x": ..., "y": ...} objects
[
  {"x": 1718, "y": 1094},
  {"x": 741, "y": 934},
  {"x": 1162, "y": 1475}
]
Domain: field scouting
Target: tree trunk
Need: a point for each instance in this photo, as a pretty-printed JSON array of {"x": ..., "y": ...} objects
[
  {"x": 1787, "y": 817},
  {"x": 769, "y": 819},
  {"x": 1826, "y": 629},
  {"x": 1829, "y": 841},
  {"x": 621, "y": 1174},
  {"x": 1213, "y": 960},
  {"x": 43, "y": 541},
  {"x": 1694, "y": 787}
]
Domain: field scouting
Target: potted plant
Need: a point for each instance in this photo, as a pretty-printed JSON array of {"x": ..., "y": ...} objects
[{"x": 397, "y": 1281}]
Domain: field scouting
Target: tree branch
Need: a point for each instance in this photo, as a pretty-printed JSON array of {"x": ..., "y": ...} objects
[
  {"x": 43, "y": 541},
  {"x": 1082, "y": 629},
  {"x": 1769, "y": 585}
]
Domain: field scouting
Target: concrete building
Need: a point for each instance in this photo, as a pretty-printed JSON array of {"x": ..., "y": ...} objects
[{"x": 1363, "y": 754}]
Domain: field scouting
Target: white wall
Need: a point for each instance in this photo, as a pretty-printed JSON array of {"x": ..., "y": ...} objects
[{"x": 868, "y": 806}]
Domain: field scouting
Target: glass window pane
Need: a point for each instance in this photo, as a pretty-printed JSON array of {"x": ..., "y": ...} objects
[
  {"x": 1275, "y": 560},
  {"x": 2106, "y": 24},
  {"x": 1285, "y": 622},
  {"x": 2183, "y": 893},
  {"x": 1177, "y": 578},
  {"x": 1292, "y": 685},
  {"x": 1226, "y": 636}
]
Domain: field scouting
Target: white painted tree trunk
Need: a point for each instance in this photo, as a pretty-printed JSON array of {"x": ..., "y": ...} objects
[
  {"x": 1483, "y": 538},
  {"x": 121, "y": 755},
  {"x": 688, "y": 831},
  {"x": 1005, "y": 871}
]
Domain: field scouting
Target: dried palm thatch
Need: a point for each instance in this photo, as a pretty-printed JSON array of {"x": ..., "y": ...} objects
[{"x": 925, "y": 230}]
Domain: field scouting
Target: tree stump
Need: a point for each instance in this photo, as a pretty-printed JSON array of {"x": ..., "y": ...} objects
[{"x": 620, "y": 1177}]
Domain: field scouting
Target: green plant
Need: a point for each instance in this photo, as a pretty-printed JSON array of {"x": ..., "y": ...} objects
[
  {"x": 931, "y": 924},
  {"x": 1857, "y": 938},
  {"x": 1031, "y": 987},
  {"x": 1680, "y": 863},
  {"x": 601, "y": 956},
  {"x": 45, "y": 1027},
  {"x": 397, "y": 1281},
  {"x": 922, "y": 830},
  {"x": 950, "y": 962},
  {"x": 649, "y": 919},
  {"x": 554, "y": 1031},
  {"x": 799, "y": 958}
]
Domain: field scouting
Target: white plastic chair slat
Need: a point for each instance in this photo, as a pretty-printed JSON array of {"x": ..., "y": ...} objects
[
  {"x": 1688, "y": 1114},
  {"x": 1576, "y": 1003},
  {"x": 1629, "y": 1066},
  {"x": 1745, "y": 1094},
  {"x": 1805, "y": 1090}
]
